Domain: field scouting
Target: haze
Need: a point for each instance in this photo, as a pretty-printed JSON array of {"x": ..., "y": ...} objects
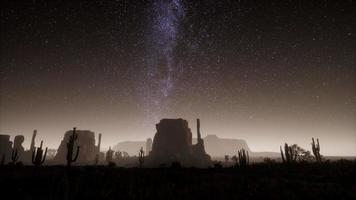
[{"x": 286, "y": 74}]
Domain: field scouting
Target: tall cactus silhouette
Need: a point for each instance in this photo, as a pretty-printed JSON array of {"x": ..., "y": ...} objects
[
  {"x": 32, "y": 146},
  {"x": 244, "y": 158},
  {"x": 289, "y": 155},
  {"x": 141, "y": 157},
  {"x": 316, "y": 150},
  {"x": 38, "y": 157},
  {"x": 109, "y": 155},
  {"x": 70, "y": 148}
]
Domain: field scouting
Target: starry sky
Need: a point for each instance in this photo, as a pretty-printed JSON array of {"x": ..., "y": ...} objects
[{"x": 268, "y": 72}]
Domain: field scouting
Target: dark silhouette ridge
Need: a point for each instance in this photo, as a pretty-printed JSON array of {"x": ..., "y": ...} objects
[
  {"x": 331, "y": 180},
  {"x": 173, "y": 142},
  {"x": 175, "y": 177}
]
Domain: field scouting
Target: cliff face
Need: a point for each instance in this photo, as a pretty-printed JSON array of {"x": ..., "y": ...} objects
[
  {"x": 173, "y": 138},
  {"x": 173, "y": 142},
  {"x": 86, "y": 142},
  {"x": 5, "y": 147},
  {"x": 218, "y": 147}
]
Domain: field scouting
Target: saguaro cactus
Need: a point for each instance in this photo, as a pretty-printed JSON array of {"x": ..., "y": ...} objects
[
  {"x": 38, "y": 157},
  {"x": 244, "y": 158},
  {"x": 141, "y": 157},
  {"x": 109, "y": 155},
  {"x": 14, "y": 156},
  {"x": 32, "y": 146},
  {"x": 316, "y": 150},
  {"x": 70, "y": 148},
  {"x": 289, "y": 155}
]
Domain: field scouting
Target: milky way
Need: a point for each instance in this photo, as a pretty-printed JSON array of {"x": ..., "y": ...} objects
[
  {"x": 268, "y": 72},
  {"x": 161, "y": 67}
]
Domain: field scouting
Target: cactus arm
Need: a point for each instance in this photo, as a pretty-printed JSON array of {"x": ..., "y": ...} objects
[
  {"x": 44, "y": 156},
  {"x": 32, "y": 145},
  {"x": 76, "y": 155},
  {"x": 33, "y": 157},
  {"x": 280, "y": 147},
  {"x": 316, "y": 149}
]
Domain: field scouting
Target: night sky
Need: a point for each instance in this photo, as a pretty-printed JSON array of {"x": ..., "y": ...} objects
[{"x": 268, "y": 72}]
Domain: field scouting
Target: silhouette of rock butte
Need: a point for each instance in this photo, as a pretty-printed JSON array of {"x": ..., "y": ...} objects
[
  {"x": 5, "y": 147},
  {"x": 19, "y": 139},
  {"x": 173, "y": 142},
  {"x": 86, "y": 142}
]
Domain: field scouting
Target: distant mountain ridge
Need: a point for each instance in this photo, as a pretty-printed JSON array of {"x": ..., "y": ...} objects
[
  {"x": 131, "y": 147},
  {"x": 219, "y": 147},
  {"x": 214, "y": 146}
]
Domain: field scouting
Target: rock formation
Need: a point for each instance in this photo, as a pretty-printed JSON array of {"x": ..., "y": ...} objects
[
  {"x": 5, "y": 147},
  {"x": 173, "y": 142},
  {"x": 173, "y": 139},
  {"x": 86, "y": 142},
  {"x": 19, "y": 139}
]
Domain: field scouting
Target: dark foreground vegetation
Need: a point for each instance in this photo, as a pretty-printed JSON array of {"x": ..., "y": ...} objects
[{"x": 269, "y": 180}]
